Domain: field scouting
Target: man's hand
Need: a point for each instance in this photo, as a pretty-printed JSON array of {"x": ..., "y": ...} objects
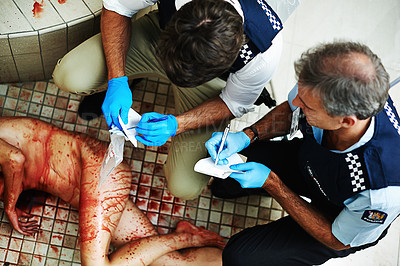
[
  {"x": 156, "y": 128},
  {"x": 254, "y": 176},
  {"x": 118, "y": 101},
  {"x": 17, "y": 218},
  {"x": 235, "y": 142}
]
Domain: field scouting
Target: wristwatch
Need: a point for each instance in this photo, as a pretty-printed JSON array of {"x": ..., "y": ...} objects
[{"x": 255, "y": 132}]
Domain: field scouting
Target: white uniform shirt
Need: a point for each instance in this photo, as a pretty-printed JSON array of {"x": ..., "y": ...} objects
[
  {"x": 349, "y": 227},
  {"x": 242, "y": 87}
]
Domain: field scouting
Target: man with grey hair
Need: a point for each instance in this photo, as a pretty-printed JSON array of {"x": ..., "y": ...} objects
[{"x": 340, "y": 183}]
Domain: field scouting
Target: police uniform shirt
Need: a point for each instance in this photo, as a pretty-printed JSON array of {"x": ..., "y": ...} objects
[{"x": 367, "y": 214}]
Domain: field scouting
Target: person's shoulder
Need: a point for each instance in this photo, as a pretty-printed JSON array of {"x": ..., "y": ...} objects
[{"x": 383, "y": 198}]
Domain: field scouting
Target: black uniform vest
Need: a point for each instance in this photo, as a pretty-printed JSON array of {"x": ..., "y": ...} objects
[{"x": 335, "y": 177}]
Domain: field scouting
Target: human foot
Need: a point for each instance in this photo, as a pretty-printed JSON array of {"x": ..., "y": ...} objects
[{"x": 200, "y": 237}]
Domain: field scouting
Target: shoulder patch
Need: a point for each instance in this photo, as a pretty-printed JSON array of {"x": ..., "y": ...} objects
[{"x": 373, "y": 216}]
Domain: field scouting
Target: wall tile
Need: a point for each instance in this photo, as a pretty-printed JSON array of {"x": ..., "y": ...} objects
[
  {"x": 80, "y": 30},
  {"x": 24, "y": 43},
  {"x": 29, "y": 66},
  {"x": 4, "y": 46},
  {"x": 12, "y": 20},
  {"x": 47, "y": 17},
  {"x": 71, "y": 10},
  {"x": 8, "y": 71}
]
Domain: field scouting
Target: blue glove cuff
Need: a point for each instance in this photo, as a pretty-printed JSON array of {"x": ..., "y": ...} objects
[
  {"x": 117, "y": 81},
  {"x": 174, "y": 125},
  {"x": 246, "y": 139}
]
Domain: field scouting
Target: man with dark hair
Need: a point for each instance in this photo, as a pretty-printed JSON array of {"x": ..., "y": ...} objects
[
  {"x": 203, "y": 39},
  {"x": 345, "y": 164},
  {"x": 37, "y": 155}
]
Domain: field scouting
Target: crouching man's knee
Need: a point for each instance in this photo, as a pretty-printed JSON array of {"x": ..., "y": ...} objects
[{"x": 83, "y": 69}]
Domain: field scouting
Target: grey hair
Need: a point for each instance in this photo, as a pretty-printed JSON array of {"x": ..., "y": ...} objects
[{"x": 348, "y": 76}]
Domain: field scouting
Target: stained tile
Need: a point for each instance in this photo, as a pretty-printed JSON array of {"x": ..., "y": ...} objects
[
  {"x": 73, "y": 216},
  {"x": 13, "y": 92},
  {"x": 153, "y": 217},
  {"x": 250, "y": 222},
  {"x": 12, "y": 257},
  {"x": 276, "y": 205},
  {"x": 3, "y": 253},
  {"x": 146, "y": 180},
  {"x": 148, "y": 168},
  {"x": 228, "y": 207},
  {"x": 43, "y": 236},
  {"x": 158, "y": 182},
  {"x": 28, "y": 246},
  {"x": 72, "y": 229},
  {"x": 153, "y": 206},
  {"x": 47, "y": 111},
  {"x": 25, "y": 259},
  {"x": 22, "y": 106},
  {"x": 41, "y": 249},
  {"x": 156, "y": 194},
  {"x": 10, "y": 103},
  {"x": 4, "y": 240},
  {"x": 202, "y": 215},
  {"x": 167, "y": 196},
  {"x": 225, "y": 231},
  {"x": 67, "y": 254},
  {"x": 190, "y": 212},
  {"x": 142, "y": 203},
  {"x": 252, "y": 211},
  {"x": 69, "y": 241},
  {"x": 226, "y": 218},
  {"x": 136, "y": 165},
  {"x": 215, "y": 217},
  {"x": 275, "y": 215},
  {"x": 56, "y": 239},
  {"x": 144, "y": 192},
  {"x": 3, "y": 89},
  {"x": 49, "y": 211},
  {"x": 204, "y": 203},
  {"x": 38, "y": 260},
  {"x": 166, "y": 208},
  {"x": 59, "y": 226}
]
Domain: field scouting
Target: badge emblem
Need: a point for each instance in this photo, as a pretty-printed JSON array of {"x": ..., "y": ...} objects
[{"x": 373, "y": 216}]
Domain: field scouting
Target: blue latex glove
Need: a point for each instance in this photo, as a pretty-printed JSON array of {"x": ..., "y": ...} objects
[
  {"x": 254, "y": 175},
  {"x": 156, "y": 128},
  {"x": 235, "y": 142},
  {"x": 118, "y": 101}
]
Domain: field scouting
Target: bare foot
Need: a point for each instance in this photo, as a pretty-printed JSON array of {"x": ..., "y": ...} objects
[{"x": 200, "y": 237}]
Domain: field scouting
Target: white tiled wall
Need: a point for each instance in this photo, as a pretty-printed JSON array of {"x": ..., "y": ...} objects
[{"x": 374, "y": 23}]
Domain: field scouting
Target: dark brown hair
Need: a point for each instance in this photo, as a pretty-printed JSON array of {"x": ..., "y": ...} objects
[{"x": 201, "y": 42}]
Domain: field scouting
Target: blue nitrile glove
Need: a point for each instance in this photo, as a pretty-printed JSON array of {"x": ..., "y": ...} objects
[
  {"x": 156, "y": 128},
  {"x": 118, "y": 101},
  {"x": 235, "y": 142},
  {"x": 254, "y": 175}
]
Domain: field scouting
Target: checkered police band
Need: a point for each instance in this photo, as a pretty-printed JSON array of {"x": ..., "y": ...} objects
[
  {"x": 356, "y": 173},
  {"x": 276, "y": 25},
  {"x": 392, "y": 117}
]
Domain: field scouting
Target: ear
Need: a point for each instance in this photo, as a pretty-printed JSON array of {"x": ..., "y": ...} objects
[{"x": 348, "y": 121}]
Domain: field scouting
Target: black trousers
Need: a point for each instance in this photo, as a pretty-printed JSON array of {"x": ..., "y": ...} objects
[{"x": 282, "y": 242}]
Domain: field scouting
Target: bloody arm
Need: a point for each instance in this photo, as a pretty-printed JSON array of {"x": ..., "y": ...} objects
[{"x": 12, "y": 162}]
